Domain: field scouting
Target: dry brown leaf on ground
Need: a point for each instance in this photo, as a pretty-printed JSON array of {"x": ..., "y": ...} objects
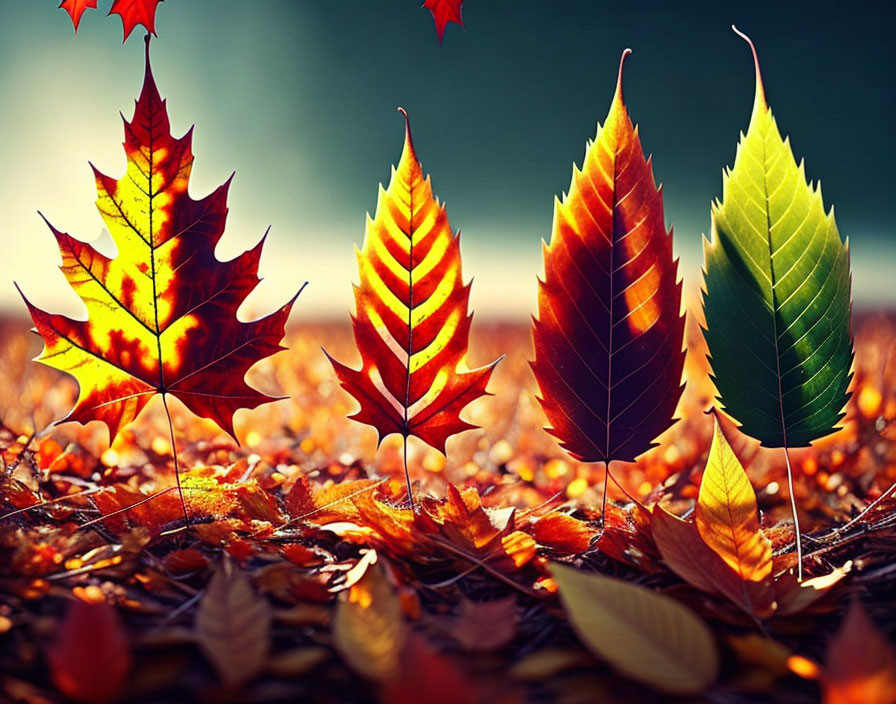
[{"x": 233, "y": 625}]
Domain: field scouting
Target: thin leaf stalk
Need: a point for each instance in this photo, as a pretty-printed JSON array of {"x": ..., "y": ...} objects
[
  {"x": 796, "y": 520},
  {"x": 180, "y": 491},
  {"x": 407, "y": 473}
]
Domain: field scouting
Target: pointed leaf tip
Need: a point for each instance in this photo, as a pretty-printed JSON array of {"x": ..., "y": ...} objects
[
  {"x": 625, "y": 53},
  {"x": 408, "y": 140},
  {"x": 760, "y": 89}
]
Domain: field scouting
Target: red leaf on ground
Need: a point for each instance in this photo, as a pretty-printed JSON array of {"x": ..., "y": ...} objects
[{"x": 90, "y": 655}]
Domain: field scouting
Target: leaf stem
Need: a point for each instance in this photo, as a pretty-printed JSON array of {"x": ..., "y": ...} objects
[
  {"x": 796, "y": 520},
  {"x": 407, "y": 474},
  {"x": 180, "y": 492},
  {"x": 603, "y": 500}
]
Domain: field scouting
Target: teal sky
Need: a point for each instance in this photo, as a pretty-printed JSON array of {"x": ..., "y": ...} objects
[{"x": 299, "y": 97}]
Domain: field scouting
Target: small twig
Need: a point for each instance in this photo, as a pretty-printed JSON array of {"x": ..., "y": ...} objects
[
  {"x": 484, "y": 565},
  {"x": 127, "y": 508},
  {"x": 857, "y": 519},
  {"x": 49, "y": 502},
  {"x": 327, "y": 505}
]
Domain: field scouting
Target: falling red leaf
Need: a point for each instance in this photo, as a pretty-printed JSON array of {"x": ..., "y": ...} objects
[
  {"x": 443, "y": 12},
  {"x": 608, "y": 337},
  {"x": 161, "y": 314},
  {"x": 76, "y": 8},
  {"x": 90, "y": 655},
  {"x": 134, "y": 12}
]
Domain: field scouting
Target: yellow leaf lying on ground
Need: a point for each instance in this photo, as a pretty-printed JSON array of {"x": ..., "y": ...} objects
[{"x": 646, "y": 636}]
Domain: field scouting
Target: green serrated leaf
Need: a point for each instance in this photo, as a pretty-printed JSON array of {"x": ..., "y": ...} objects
[{"x": 777, "y": 294}]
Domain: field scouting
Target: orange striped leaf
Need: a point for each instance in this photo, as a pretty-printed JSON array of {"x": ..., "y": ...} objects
[
  {"x": 727, "y": 515},
  {"x": 608, "y": 338},
  {"x": 411, "y": 323}
]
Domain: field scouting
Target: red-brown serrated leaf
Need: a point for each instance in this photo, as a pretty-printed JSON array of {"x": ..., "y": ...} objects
[
  {"x": 134, "y": 12},
  {"x": 76, "y": 8},
  {"x": 90, "y": 654},
  {"x": 162, "y": 313},
  {"x": 608, "y": 337},
  {"x": 443, "y": 12},
  {"x": 411, "y": 323}
]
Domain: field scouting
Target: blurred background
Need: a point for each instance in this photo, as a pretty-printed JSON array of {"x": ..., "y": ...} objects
[{"x": 299, "y": 97}]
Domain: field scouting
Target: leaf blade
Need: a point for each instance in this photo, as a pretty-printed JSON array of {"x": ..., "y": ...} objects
[
  {"x": 644, "y": 635},
  {"x": 777, "y": 256},
  {"x": 411, "y": 323},
  {"x": 727, "y": 515},
  {"x": 233, "y": 626},
  {"x": 609, "y": 330},
  {"x": 162, "y": 313}
]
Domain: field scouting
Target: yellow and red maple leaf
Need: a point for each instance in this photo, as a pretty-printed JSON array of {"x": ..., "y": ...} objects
[
  {"x": 411, "y": 323},
  {"x": 76, "y": 8},
  {"x": 162, "y": 313},
  {"x": 443, "y": 12}
]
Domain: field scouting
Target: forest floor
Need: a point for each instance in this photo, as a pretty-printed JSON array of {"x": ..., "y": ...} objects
[{"x": 304, "y": 576}]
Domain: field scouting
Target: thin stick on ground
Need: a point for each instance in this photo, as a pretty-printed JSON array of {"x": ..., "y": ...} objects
[
  {"x": 180, "y": 492},
  {"x": 864, "y": 512},
  {"x": 796, "y": 520}
]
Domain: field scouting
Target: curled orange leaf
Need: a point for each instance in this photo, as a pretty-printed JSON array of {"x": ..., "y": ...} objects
[{"x": 411, "y": 323}]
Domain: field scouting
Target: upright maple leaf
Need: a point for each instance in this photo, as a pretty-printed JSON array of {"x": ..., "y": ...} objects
[
  {"x": 411, "y": 323},
  {"x": 162, "y": 313},
  {"x": 608, "y": 337},
  {"x": 134, "y": 12},
  {"x": 76, "y": 8},
  {"x": 443, "y": 12}
]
